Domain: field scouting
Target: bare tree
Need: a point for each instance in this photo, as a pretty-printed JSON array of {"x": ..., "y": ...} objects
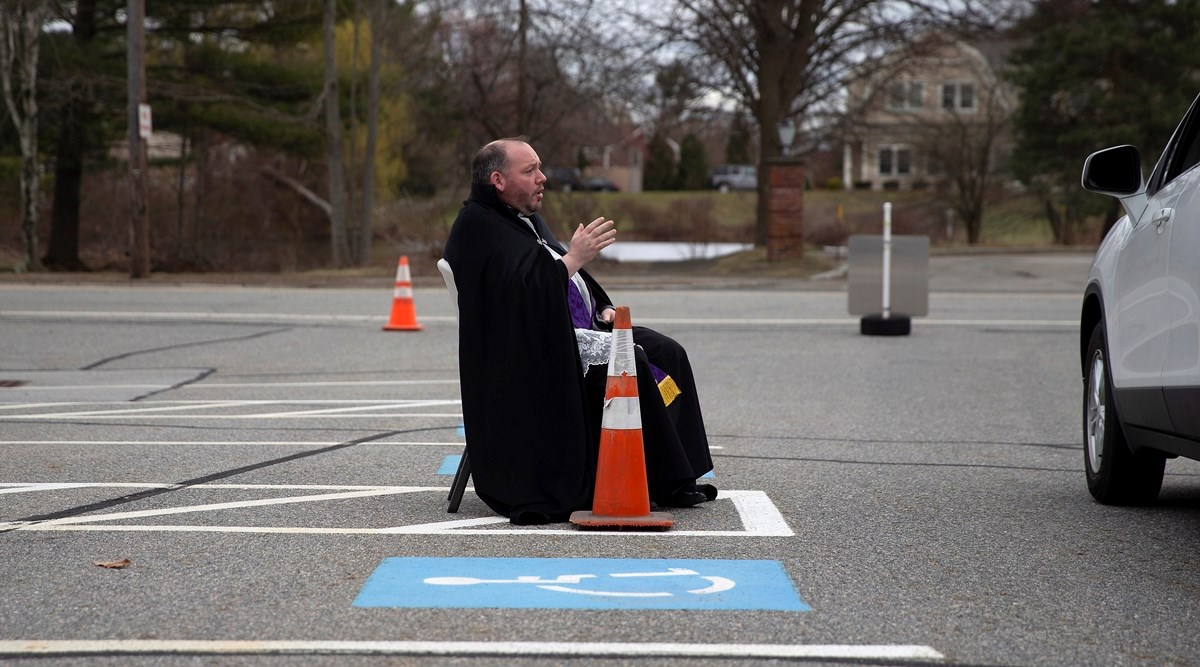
[
  {"x": 21, "y": 23},
  {"x": 789, "y": 58},
  {"x": 545, "y": 69},
  {"x": 970, "y": 149},
  {"x": 961, "y": 136}
]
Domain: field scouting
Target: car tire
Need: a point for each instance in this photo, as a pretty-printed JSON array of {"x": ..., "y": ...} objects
[{"x": 1116, "y": 475}]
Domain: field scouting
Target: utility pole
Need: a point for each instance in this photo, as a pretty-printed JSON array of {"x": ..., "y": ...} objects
[{"x": 139, "y": 224}]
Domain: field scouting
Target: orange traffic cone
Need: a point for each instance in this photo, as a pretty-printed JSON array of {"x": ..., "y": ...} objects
[
  {"x": 622, "y": 496},
  {"x": 404, "y": 315}
]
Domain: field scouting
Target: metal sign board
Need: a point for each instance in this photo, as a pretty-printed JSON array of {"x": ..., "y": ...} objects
[
  {"x": 145, "y": 122},
  {"x": 909, "y": 293},
  {"x": 579, "y": 583}
]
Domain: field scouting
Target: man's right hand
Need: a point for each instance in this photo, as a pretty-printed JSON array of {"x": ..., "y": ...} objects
[{"x": 587, "y": 242}]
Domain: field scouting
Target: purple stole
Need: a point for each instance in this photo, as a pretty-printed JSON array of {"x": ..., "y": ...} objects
[{"x": 582, "y": 318}]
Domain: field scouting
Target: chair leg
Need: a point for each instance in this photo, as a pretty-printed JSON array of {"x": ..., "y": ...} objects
[{"x": 460, "y": 483}]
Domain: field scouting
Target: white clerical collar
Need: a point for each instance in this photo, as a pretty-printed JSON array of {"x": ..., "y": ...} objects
[{"x": 533, "y": 228}]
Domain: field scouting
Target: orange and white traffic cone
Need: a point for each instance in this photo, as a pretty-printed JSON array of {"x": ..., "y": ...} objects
[
  {"x": 622, "y": 497},
  {"x": 404, "y": 314}
]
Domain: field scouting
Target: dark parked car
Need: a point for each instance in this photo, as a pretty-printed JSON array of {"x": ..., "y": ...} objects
[
  {"x": 563, "y": 179},
  {"x": 599, "y": 184}
]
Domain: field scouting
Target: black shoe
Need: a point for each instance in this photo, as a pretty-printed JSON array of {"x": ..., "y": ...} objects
[
  {"x": 709, "y": 491},
  {"x": 683, "y": 499},
  {"x": 529, "y": 518}
]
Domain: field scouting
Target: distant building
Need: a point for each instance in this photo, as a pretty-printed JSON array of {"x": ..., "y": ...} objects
[
  {"x": 621, "y": 158},
  {"x": 906, "y": 118}
]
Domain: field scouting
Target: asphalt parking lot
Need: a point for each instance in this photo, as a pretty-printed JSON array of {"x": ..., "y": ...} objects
[{"x": 197, "y": 474}]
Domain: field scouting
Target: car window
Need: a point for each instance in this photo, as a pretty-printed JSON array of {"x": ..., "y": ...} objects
[
  {"x": 1191, "y": 153},
  {"x": 1185, "y": 151}
]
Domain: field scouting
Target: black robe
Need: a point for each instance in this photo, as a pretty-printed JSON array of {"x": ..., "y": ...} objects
[{"x": 532, "y": 418}]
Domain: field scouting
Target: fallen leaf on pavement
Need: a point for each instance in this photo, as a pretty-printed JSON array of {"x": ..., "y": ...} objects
[{"x": 114, "y": 564}]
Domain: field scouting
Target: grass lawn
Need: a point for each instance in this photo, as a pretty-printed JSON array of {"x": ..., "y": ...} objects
[{"x": 1014, "y": 221}]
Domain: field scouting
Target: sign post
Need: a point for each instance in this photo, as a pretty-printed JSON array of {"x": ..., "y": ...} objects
[{"x": 889, "y": 280}]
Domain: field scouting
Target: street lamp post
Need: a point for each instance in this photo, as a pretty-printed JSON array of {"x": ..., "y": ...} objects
[
  {"x": 785, "y": 199},
  {"x": 787, "y": 134}
]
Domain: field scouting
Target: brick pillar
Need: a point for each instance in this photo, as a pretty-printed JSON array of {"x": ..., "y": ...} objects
[{"x": 785, "y": 215}]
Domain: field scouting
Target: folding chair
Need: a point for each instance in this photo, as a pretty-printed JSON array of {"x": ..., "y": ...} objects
[{"x": 459, "y": 485}]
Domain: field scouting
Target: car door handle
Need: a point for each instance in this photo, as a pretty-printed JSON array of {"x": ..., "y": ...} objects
[{"x": 1163, "y": 217}]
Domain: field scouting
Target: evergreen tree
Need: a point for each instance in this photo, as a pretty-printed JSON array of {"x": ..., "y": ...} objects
[
  {"x": 660, "y": 165},
  {"x": 231, "y": 67},
  {"x": 83, "y": 113},
  {"x": 236, "y": 68},
  {"x": 693, "y": 164},
  {"x": 1098, "y": 74}
]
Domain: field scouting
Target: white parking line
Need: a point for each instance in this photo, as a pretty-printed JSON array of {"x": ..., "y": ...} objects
[
  {"x": 863, "y": 652},
  {"x": 148, "y": 407},
  {"x": 157, "y": 409},
  {"x": 360, "y": 408},
  {"x": 759, "y": 516},
  {"x": 248, "y": 443},
  {"x": 244, "y": 385},
  {"x": 26, "y": 488},
  {"x": 253, "y": 443},
  {"x": 212, "y": 507},
  {"x": 50, "y": 416}
]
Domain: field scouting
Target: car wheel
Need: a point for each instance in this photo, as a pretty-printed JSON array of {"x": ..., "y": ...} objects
[{"x": 1115, "y": 474}]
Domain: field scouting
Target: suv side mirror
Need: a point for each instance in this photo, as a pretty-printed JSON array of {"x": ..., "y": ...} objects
[{"x": 1115, "y": 171}]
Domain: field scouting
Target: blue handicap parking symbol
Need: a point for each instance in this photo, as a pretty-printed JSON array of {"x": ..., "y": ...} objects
[
  {"x": 450, "y": 464},
  {"x": 580, "y": 583}
]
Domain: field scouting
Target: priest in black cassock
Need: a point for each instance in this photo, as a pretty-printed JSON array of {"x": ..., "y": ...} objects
[{"x": 527, "y": 311}]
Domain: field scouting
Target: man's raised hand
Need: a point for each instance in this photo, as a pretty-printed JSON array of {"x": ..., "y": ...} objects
[{"x": 588, "y": 241}]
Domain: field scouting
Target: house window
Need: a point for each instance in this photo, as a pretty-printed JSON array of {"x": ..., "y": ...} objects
[
  {"x": 895, "y": 161},
  {"x": 906, "y": 95},
  {"x": 958, "y": 97}
]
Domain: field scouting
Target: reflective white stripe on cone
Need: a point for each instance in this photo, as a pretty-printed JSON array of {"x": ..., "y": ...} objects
[{"x": 404, "y": 313}]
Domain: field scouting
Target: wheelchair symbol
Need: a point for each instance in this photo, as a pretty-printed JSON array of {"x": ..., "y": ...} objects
[{"x": 717, "y": 584}]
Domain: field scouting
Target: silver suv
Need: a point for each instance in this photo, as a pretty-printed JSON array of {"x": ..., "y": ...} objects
[
  {"x": 726, "y": 177},
  {"x": 1140, "y": 324}
]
